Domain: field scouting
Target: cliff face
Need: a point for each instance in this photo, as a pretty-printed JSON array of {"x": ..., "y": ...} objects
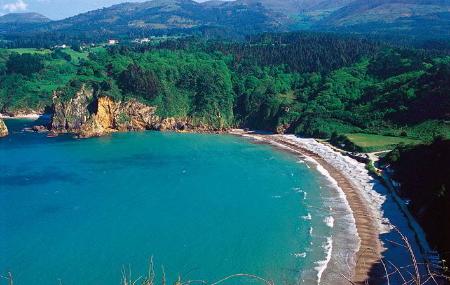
[
  {"x": 87, "y": 115},
  {"x": 3, "y": 129},
  {"x": 70, "y": 116},
  {"x": 110, "y": 116}
]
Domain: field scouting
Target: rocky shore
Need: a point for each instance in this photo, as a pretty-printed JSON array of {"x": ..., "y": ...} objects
[
  {"x": 3, "y": 129},
  {"x": 88, "y": 115}
]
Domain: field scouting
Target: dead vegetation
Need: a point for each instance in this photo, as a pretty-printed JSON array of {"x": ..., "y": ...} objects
[
  {"x": 416, "y": 273},
  {"x": 150, "y": 279}
]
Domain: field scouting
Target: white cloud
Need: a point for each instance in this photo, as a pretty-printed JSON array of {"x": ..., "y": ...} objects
[{"x": 19, "y": 5}]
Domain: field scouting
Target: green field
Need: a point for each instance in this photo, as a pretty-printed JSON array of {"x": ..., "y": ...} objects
[
  {"x": 370, "y": 142},
  {"x": 30, "y": 50},
  {"x": 76, "y": 56}
]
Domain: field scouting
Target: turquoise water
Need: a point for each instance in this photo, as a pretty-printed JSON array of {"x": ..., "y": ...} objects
[{"x": 204, "y": 206}]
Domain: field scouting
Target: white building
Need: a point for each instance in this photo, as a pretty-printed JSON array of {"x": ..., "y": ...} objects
[{"x": 142, "y": 41}]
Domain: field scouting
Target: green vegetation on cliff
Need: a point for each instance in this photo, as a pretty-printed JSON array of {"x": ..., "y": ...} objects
[
  {"x": 309, "y": 84},
  {"x": 423, "y": 173}
]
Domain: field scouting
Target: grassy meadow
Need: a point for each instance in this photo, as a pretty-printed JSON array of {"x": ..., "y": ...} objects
[{"x": 371, "y": 142}]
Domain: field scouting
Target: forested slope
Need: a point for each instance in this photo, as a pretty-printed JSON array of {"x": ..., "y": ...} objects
[{"x": 310, "y": 84}]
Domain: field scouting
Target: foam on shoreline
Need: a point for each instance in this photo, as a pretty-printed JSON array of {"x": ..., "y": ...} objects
[
  {"x": 353, "y": 170},
  {"x": 350, "y": 227},
  {"x": 323, "y": 264},
  {"x": 347, "y": 245},
  {"x": 26, "y": 116},
  {"x": 329, "y": 221}
]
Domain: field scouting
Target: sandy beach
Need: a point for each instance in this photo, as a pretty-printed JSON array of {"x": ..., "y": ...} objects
[
  {"x": 33, "y": 116},
  {"x": 355, "y": 182}
]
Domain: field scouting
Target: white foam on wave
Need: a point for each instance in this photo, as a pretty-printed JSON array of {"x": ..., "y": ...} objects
[
  {"x": 322, "y": 264},
  {"x": 328, "y": 246},
  {"x": 329, "y": 221},
  {"x": 341, "y": 194},
  {"x": 300, "y": 191},
  {"x": 307, "y": 217},
  {"x": 355, "y": 171},
  {"x": 297, "y": 190},
  {"x": 357, "y": 174},
  {"x": 299, "y": 255}
]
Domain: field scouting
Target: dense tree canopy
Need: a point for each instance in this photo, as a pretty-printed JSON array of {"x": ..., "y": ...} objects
[
  {"x": 25, "y": 64},
  {"x": 310, "y": 84}
]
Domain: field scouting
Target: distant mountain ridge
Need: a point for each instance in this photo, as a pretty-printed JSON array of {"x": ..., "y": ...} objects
[
  {"x": 421, "y": 18},
  {"x": 163, "y": 17},
  {"x": 292, "y": 7},
  {"x": 388, "y": 11},
  {"x": 23, "y": 18}
]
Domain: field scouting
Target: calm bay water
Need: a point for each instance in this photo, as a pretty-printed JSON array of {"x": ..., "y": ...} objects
[{"x": 204, "y": 206}]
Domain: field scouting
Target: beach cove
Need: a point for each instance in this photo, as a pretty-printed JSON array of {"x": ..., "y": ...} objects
[
  {"x": 382, "y": 225},
  {"x": 336, "y": 231}
]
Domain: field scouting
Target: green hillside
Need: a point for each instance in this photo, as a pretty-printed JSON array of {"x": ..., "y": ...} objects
[
  {"x": 418, "y": 19},
  {"x": 332, "y": 85}
]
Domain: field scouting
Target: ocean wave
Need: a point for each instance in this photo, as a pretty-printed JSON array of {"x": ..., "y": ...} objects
[
  {"x": 322, "y": 264},
  {"x": 348, "y": 219},
  {"x": 297, "y": 190},
  {"x": 353, "y": 170},
  {"x": 299, "y": 255},
  {"x": 329, "y": 221},
  {"x": 345, "y": 227},
  {"x": 307, "y": 217},
  {"x": 300, "y": 191}
]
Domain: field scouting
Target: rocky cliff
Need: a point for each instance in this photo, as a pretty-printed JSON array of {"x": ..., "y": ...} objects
[
  {"x": 69, "y": 116},
  {"x": 89, "y": 114},
  {"x": 3, "y": 129}
]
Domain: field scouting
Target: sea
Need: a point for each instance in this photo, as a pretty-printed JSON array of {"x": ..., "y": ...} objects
[{"x": 189, "y": 207}]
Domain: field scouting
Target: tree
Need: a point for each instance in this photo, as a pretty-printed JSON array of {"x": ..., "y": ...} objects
[
  {"x": 25, "y": 64},
  {"x": 138, "y": 81}
]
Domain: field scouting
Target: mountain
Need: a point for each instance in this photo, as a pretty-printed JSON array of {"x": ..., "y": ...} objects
[
  {"x": 235, "y": 19},
  {"x": 419, "y": 18},
  {"x": 386, "y": 11},
  {"x": 294, "y": 7},
  {"x": 23, "y": 18},
  {"x": 164, "y": 17}
]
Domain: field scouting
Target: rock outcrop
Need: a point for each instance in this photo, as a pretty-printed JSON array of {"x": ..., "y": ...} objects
[
  {"x": 111, "y": 116},
  {"x": 88, "y": 115},
  {"x": 69, "y": 116},
  {"x": 3, "y": 129}
]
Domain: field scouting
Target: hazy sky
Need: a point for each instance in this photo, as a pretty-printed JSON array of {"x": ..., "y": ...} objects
[{"x": 57, "y": 9}]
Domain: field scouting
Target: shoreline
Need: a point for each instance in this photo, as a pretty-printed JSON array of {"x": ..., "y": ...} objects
[
  {"x": 367, "y": 217},
  {"x": 357, "y": 198},
  {"x": 33, "y": 116}
]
